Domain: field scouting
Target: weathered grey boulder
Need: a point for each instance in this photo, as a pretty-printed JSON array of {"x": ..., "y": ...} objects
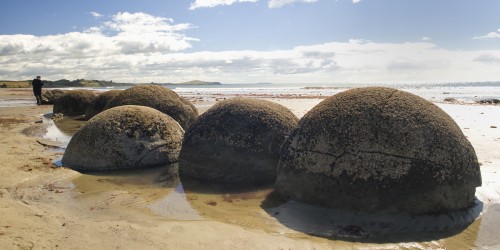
[
  {"x": 124, "y": 137},
  {"x": 236, "y": 142},
  {"x": 379, "y": 150},
  {"x": 50, "y": 96},
  {"x": 489, "y": 101},
  {"x": 73, "y": 102},
  {"x": 99, "y": 103},
  {"x": 160, "y": 98}
]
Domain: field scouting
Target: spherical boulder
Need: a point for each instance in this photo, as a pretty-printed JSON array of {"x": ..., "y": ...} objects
[
  {"x": 50, "y": 96},
  {"x": 124, "y": 137},
  {"x": 379, "y": 150},
  {"x": 236, "y": 142},
  {"x": 73, "y": 102},
  {"x": 160, "y": 98},
  {"x": 99, "y": 103}
]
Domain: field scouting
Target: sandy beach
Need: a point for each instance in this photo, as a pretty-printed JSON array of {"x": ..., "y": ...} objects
[{"x": 44, "y": 206}]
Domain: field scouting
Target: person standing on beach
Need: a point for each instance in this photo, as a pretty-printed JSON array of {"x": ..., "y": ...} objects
[{"x": 37, "y": 89}]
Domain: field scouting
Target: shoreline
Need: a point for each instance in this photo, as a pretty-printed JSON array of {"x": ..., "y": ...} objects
[{"x": 48, "y": 207}]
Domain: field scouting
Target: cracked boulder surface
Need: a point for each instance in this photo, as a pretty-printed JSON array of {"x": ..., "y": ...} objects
[
  {"x": 160, "y": 98},
  {"x": 379, "y": 150},
  {"x": 124, "y": 137},
  {"x": 99, "y": 103},
  {"x": 73, "y": 102},
  {"x": 236, "y": 143}
]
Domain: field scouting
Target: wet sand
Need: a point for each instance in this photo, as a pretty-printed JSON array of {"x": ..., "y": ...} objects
[{"x": 44, "y": 206}]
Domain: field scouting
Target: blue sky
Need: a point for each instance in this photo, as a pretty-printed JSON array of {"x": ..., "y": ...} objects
[{"x": 244, "y": 41}]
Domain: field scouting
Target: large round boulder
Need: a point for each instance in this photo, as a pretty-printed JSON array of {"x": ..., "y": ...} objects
[
  {"x": 379, "y": 150},
  {"x": 160, "y": 98},
  {"x": 73, "y": 102},
  {"x": 99, "y": 103},
  {"x": 236, "y": 142},
  {"x": 50, "y": 96},
  {"x": 124, "y": 137}
]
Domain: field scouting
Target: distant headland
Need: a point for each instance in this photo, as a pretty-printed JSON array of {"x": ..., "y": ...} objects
[
  {"x": 194, "y": 82},
  {"x": 91, "y": 83}
]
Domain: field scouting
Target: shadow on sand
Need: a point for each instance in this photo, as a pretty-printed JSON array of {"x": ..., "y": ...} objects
[
  {"x": 164, "y": 176},
  {"x": 349, "y": 226},
  {"x": 195, "y": 186}
]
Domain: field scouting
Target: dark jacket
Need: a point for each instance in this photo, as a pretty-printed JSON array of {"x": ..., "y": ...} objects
[{"x": 37, "y": 85}]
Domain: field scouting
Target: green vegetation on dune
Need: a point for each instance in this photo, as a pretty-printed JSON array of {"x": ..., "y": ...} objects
[
  {"x": 62, "y": 83},
  {"x": 88, "y": 83},
  {"x": 14, "y": 84},
  {"x": 83, "y": 83}
]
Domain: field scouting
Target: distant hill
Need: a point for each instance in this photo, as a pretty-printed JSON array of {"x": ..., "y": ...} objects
[
  {"x": 14, "y": 84},
  {"x": 63, "y": 83},
  {"x": 89, "y": 83},
  {"x": 195, "y": 82},
  {"x": 83, "y": 83}
]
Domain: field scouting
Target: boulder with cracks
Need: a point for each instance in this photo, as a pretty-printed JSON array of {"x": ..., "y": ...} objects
[
  {"x": 160, "y": 98},
  {"x": 379, "y": 150},
  {"x": 125, "y": 137},
  {"x": 236, "y": 142}
]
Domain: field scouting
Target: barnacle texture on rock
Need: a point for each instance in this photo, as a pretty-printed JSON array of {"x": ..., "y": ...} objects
[
  {"x": 236, "y": 142},
  {"x": 379, "y": 150},
  {"x": 160, "y": 98},
  {"x": 124, "y": 137}
]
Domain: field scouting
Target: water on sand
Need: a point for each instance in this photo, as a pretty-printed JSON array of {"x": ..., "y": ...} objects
[{"x": 159, "y": 192}]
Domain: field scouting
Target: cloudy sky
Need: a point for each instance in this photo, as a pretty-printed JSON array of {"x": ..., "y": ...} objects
[{"x": 248, "y": 41}]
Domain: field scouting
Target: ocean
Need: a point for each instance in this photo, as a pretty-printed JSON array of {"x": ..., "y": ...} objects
[
  {"x": 432, "y": 92},
  {"x": 466, "y": 93}
]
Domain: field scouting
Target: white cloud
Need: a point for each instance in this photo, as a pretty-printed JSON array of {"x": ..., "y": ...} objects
[
  {"x": 137, "y": 47},
  {"x": 95, "y": 15},
  {"x": 426, "y": 38},
  {"x": 271, "y": 3},
  {"x": 352, "y": 40},
  {"x": 213, "y": 3},
  {"x": 280, "y": 3},
  {"x": 490, "y": 35},
  {"x": 488, "y": 58}
]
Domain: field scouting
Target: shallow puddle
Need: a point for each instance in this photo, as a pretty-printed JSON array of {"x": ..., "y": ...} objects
[
  {"x": 63, "y": 129},
  {"x": 159, "y": 192}
]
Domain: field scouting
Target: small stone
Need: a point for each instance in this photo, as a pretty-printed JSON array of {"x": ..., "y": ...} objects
[
  {"x": 211, "y": 203},
  {"x": 46, "y": 161}
]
